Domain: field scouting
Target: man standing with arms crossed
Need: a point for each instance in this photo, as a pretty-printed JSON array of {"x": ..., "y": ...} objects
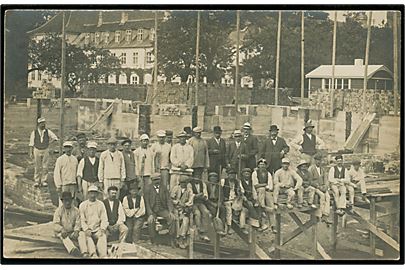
[
  {"x": 201, "y": 158},
  {"x": 182, "y": 158},
  {"x": 144, "y": 162},
  {"x": 161, "y": 152}
]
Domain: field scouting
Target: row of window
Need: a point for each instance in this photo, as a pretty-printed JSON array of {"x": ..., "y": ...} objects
[
  {"x": 339, "y": 83},
  {"x": 105, "y": 36},
  {"x": 135, "y": 58}
]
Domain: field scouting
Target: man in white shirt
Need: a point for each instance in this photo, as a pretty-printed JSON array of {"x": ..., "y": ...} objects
[
  {"x": 144, "y": 161},
  {"x": 356, "y": 177},
  {"x": 182, "y": 159},
  {"x": 111, "y": 169},
  {"x": 338, "y": 178},
  {"x": 87, "y": 171},
  {"x": 39, "y": 151},
  {"x": 115, "y": 215},
  {"x": 64, "y": 174},
  {"x": 134, "y": 208},
  {"x": 161, "y": 157}
]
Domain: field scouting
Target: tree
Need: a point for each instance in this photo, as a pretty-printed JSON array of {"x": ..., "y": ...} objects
[
  {"x": 177, "y": 44},
  {"x": 83, "y": 64}
]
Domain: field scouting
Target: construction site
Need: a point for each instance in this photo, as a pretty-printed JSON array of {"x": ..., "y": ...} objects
[{"x": 359, "y": 123}]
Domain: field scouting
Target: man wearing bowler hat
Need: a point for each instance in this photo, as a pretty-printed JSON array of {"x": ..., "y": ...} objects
[
  {"x": 274, "y": 149},
  {"x": 217, "y": 151},
  {"x": 40, "y": 139},
  {"x": 201, "y": 160}
]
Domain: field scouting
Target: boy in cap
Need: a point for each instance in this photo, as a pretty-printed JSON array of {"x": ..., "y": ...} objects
[
  {"x": 249, "y": 201},
  {"x": 64, "y": 174},
  {"x": 134, "y": 208},
  {"x": 201, "y": 160},
  {"x": 129, "y": 160},
  {"x": 161, "y": 157},
  {"x": 286, "y": 180},
  {"x": 274, "y": 149},
  {"x": 237, "y": 153},
  {"x": 217, "y": 151},
  {"x": 263, "y": 184},
  {"x": 40, "y": 139},
  {"x": 87, "y": 170},
  {"x": 182, "y": 197},
  {"x": 67, "y": 226},
  {"x": 252, "y": 146},
  {"x": 94, "y": 220},
  {"x": 182, "y": 158},
  {"x": 356, "y": 177},
  {"x": 307, "y": 186},
  {"x": 111, "y": 169},
  {"x": 144, "y": 161},
  {"x": 115, "y": 215},
  {"x": 338, "y": 178},
  {"x": 308, "y": 143},
  {"x": 80, "y": 150},
  {"x": 200, "y": 210}
]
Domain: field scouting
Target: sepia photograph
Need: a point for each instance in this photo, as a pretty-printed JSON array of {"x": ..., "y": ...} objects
[{"x": 162, "y": 134}]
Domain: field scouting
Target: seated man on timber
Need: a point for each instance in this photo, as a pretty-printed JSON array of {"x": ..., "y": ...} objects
[
  {"x": 200, "y": 210},
  {"x": 115, "y": 215},
  {"x": 338, "y": 178},
  {"x": 182, "y": 197},
  {"x": 356, "y": 177},
  {"x": 159, "y": 204},
  {"x": 263, "y": 184},
  {"x": 134, "y": 208},
  {"x": 250, "y": 204},
  {"x": 286, "y": 180},
  {"x": 307, "y": 186},
  {"x": 215, "y": 202},
  {"x": 93, "y": 217},
  {"x": 66, "y": 220}
]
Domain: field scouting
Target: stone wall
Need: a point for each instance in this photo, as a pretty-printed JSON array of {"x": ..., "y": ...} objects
[{"x": 127, "y": 92}]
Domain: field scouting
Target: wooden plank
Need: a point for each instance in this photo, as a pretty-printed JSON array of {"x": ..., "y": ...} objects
[
  {"x": 373, "y": 220},
  {"x": 355, "y": 138},
  {"x": 322, "y": 252},
  {"x": 359, "y": 247},
  {"x": 32, "y": 238},
  {"x": 252, "y": 242},
  {"x": 295, "y": 252},
  {"x": 104, "y": 115},
  {"x": 260, "y": 253},
  {"x": 277, "y": 253},
  {"x": 335, "y": 221},
  {"x": 216, "y": 246}
]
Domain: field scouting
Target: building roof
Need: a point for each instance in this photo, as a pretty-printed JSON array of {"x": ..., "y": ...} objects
[
  {"x": 85, "y": 21},
  {"x": 346, "y": 71}
]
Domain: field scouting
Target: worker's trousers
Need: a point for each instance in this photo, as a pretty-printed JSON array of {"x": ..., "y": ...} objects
[
  {"x": 311, "y": 193},
  {"x": 182, "y": 223},
  {"x": 41, "y": 160},
  {"x": 165, "y": 177},
  {"x": 121, "y": 229},
  {"x": 359, "y": 185},
  {"x": 290, "y": 193},
  {"x": 70, "y": 241},
  {"x": 101, "y": 243},
  {"x": 201, "y": 217},
  {"x": 134, "y": 228},
  {"x": 339, "y": 194},
  {"x": 324, "y": 203},
  {"x": 266, "y": 202}
]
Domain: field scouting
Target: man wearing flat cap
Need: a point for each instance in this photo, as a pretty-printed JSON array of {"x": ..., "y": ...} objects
[
  {"x": 87, "y": 171},
  {"x": 308, "y": 143},
  {"x": 80, "y": 150},
  {"x": 135, "y": 211},
  {"x": 144, "y": 161},
  {"x": 40, "y": 139},
  {"x": 252, "y": 146},
  {"x": 181, "y": 157},
  {"x": 201, "y": 159},
  {"x": 64, "y": 174},
  {"x": 274, "y": 149},
  {"x": 111, "y": 169},
  {"x": 161, "y": 157},
  {"x": 129, "y": 160},
  {"x": 67, "y": 225},
  {"x": 217, "y": 151},
  {"x": 237, "y": 153}
]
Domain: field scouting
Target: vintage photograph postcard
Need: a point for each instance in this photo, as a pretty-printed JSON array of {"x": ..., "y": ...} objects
[{"x": 202, "y": 134}]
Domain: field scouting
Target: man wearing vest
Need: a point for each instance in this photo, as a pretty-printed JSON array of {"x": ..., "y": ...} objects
[
  {"x": 65, "y": 171},
  {"x": 307, "y": 185},
  {"x": 200, "y": 211},
  {"x": 94, "y": 220},
  {"x": 201, "y": 160},
  {"x": 308, "y": 144},
  {"x": 286, "y": 180},
  {"x": 39, "y": 151},
  {"x": 252, "y": 146},
  {"x": 161, "y": 157},
  {"x": 249, "y": 201},
  {"x": 115, "y": 215},
  {"x": 274, "y": 149},
  {"x": 320, "y": 182},
  {"x": 111, "y": 169},
  {"x": 237, "y": 153},
  {"x": 263, "y": 184},
  {"x": 338, "y": 177},
  {"x": 217, "y": 151},
  {"x": 144, "y": 162},
  {"x": 159, "y": 204},
  {"x": 181, "y": 157},
  {"x": 232, "y": 195},
  {"x": 129, "y": 160},
  {"x": 80, "y": 151},
  {"x": 87, "y": 171},
  {"x": 182, "y": 197},
  {"x": 134, "y": 208}
]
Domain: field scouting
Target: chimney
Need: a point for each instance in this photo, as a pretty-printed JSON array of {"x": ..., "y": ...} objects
[
  {"x": 100, "y": 18},
  {"x": 124, "y": 17},
  {"x": 358, "y": 62}
]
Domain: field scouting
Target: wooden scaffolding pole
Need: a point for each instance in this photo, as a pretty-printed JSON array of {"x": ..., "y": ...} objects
[
  {"x": 395, "y": 41},
  {"x": 302, "y": 59},
  {"x": 236, "y": 83},
  {"x": 277, "y": 58},
  {"x": 370, "y": 14},
  {"x": 332, "y": 84},
  {"x": 62, "y": 88},
  {"x": 197, "y": 58},
  {"x": 155, "y": 62}
]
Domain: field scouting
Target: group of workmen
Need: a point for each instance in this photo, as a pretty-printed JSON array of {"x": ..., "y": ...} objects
[{"x": 193, "y": 183}]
